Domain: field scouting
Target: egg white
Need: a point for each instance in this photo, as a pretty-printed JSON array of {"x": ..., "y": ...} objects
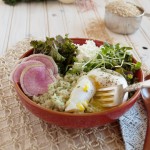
[
  {"x": 108, "y": 78},
  {"x": 81, "y": 95},
  {"x": 87, "y": 85}
]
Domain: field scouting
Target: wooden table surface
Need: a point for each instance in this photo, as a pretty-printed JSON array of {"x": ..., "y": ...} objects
[
  {"x": 50, "y": 18},
  {"x": 81, "y": 19}
]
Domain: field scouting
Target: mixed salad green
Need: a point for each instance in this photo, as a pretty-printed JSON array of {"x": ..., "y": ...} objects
[{"x": 64, "y": 51}]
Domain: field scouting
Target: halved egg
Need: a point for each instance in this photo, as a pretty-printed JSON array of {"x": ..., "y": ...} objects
[
  {"x": 87, "y": 86},
  {"x": 81, "y": 95},
  {"x": 108, "y": 78}
]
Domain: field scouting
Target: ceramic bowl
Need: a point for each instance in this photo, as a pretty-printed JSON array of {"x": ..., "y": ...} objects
[{"x": 70, "y": 120}]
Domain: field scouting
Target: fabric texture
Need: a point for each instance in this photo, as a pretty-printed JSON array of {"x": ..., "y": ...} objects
[
  {"x": 21, "y": 130},
  {"x": 133, "y": 125}
]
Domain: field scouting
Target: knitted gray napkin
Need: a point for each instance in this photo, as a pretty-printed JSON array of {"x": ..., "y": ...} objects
[{"x": 133, "y": 126}]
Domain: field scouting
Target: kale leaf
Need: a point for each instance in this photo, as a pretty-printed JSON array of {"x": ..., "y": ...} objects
[
  {"x": 14, "y": 2},
  {"x": 62, "y": 50}
]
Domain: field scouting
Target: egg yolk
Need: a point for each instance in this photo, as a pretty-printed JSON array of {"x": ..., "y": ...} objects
[
  {"x": 85, "y": 103},
  {"x": 95, "y": 81},
  {"x": 80, "y": 106},
  {"x": 85, "y": 88}
]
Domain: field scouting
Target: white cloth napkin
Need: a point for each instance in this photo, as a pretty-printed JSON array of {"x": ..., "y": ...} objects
[{"x": 133, "y": 126}]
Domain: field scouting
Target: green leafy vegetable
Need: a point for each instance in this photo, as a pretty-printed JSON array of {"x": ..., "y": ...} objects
[
  {"x": 61, "y": 49},
  {"x": 14, "y": 2},
  {"x": 112, "y": 57}
]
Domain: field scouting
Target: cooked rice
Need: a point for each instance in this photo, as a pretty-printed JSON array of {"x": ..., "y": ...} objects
[{"x": 58, "y": 93}]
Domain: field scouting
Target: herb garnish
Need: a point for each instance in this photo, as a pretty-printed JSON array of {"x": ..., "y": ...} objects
[
  {"x": 112, "y": 57},
  {"x": 61, "y": 49}
]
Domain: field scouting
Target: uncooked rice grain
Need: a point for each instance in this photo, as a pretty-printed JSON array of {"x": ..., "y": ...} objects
[{"x": 122, "y": 8}]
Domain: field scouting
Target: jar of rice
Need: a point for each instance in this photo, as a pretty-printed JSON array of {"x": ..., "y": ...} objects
[
  {"x": 123, "y": 17},
  {"x": 123, "y": 8}
]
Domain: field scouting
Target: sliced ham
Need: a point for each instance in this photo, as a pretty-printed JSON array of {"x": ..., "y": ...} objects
[
  {"x": 35, "y": 79},
  {"x": 47, "y": 60},
  {"x": 16, "y": 73}
]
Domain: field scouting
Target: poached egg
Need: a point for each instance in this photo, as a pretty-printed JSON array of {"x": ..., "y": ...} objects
[{"x": 87, "y": 85}]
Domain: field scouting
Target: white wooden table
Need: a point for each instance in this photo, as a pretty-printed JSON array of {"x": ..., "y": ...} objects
[{"x": 51, "y": 18}]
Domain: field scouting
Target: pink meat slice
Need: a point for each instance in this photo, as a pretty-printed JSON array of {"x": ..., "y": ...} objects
[
  {"x": 16, "y": 73},
  {"x": 47, "y": 60},
  {"x": 35, "y": 79}
]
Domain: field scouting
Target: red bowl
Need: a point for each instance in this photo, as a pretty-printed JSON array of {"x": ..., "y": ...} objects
[{"x": 70, "y": 120}]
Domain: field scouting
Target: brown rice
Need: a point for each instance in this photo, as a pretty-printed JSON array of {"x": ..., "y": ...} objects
[{"x": 123, "y": 8}]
